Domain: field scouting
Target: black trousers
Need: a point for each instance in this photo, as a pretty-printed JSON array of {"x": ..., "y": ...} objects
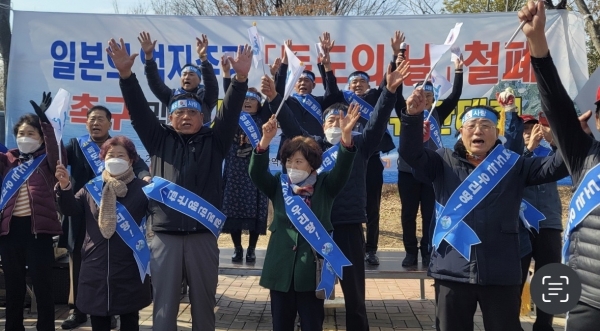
[
  {"x": 374, "y": 184},
  {"x": 20, "y": 248},
  {"x": 583, "y": 318},
  {"x": 457, "y": 303},
  {"x": 129, "y": 321},
  {"x": 350, "y": 240},
  {"x": 285, "y": 306},
  {"x": 75, "y": 266},
  {"x": 546, "y": 248},
  {"x": 412, "y": 194}
]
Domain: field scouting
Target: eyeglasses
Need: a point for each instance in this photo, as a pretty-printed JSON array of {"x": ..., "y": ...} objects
[
  {"x": 485, "y": 127},
  {"x": 182, "y": 112}
]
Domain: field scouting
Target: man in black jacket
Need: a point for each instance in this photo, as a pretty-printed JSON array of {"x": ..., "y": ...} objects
[
  {"x": 299, "y": 102},
  {"x": 190, "y": 156},
  {"x": 581, "y": 248},
  {"x": 191, "y": 76},
  {"x": 475, "y": 257},
  {"x": 86, "y": 165},
  {"x": 348, "y": 211}
]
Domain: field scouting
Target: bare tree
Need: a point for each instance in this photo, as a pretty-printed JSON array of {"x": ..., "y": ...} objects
[
  {"x": 591, "y": 25},
  {"x": 420, "y": 7}
]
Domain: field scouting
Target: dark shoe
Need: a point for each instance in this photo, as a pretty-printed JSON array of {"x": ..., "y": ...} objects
[
  {"x": 73, "y": 321},
  {"x": 425, "y": 259},
  {"x": 238, "y": 255},
  {"x": 410, "y": 260},
  {"x": 372, "y": 258},
  {"x": 250, "y": 255},
  {"x": 113, "y": 322}
]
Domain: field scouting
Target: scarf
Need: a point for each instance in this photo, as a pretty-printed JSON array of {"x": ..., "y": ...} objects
[
  {"x": 113, "y": 187},
  {"x": 306, "y": 188}
]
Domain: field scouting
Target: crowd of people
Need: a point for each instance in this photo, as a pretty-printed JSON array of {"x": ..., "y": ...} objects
[{"x": 135, "y": 233}]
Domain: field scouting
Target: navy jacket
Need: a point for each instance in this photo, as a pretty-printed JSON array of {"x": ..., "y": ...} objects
[{"x": 495, "y": 220}]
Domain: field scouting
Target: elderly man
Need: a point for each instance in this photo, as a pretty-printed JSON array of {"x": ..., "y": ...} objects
[
  {"x": 478, "y": 188},
  {"x": 187, "y": 159}
]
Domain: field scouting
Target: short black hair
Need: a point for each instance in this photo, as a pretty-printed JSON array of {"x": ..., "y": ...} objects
[
  {"x": 30, "y": 119},
  {"x": 101, "y": 108}
]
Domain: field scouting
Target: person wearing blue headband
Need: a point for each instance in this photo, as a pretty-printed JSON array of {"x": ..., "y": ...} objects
[
  {"x": 581, "y": 248},
  {"x": 190, "y": 77},
  {"x": 348, "y": 211},
  {"x": 307, "y": 108},
  {"x": 245, "y": 206},
  {"x": 478, "y": 185},
  {"x": 187, "y": 160},
  {"x": 413, "y": 192}
]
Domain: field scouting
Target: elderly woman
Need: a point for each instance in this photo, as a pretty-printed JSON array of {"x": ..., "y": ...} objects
[
  {"x": 290, "y": 265},
  {"x": 29, "y": 217},
  {"x": 245, "y": 206},
  {"x": 115, "y": 257}
]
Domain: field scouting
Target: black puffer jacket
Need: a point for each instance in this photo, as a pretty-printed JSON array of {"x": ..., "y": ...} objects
[
  {"x": 194, "y": 162},
  {"x": 495, "y": 220},
  {"x": 581, "y": 153},
  {"x": 349, "y": 206}
]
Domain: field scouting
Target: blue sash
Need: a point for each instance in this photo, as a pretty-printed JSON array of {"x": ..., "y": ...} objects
[
  {"x": 249, "y": 126},
  {"x": 449, "y": 225},
  {"x": 91, "y": 151},
  {"x": 17, "y": 177},
  {"x": 329, "y": 157},
  {"x": 530, "y": 216},
  {"x": 186, "y": 202},
  {"x": 365, "y": 108},
  {"x": 434, "y": 127},
  {"x": 311, "y": 105},
  {"x": 127, "y": 228},
  {"x": 584, "y": 201},
  {"x": 309, "y": 226},
  {"x": 543, "y": 149}
]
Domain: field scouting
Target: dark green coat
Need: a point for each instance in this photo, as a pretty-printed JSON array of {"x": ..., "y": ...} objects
[{"x": 288, "y": 254}]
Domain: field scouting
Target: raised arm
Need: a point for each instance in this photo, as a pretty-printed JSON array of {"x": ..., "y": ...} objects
[
  {"x": 52, "y": 156},
  {"x": 158, "y": 87},
  {"x": 451, "y": 101},
  {"x": 140, "y": 169},
  {"x": 425, "y": 162},
  {"x": 259, "y": 161},
  {"x": 289, "y": 125},
  {"x": 543, "y": 170},
  {"x": 568, "y": 135},
  {"x": 143, "y": 119},
  {"x": 226, "y": 72},
  {"x": 68, "y": 203},
  {"x": 376, "y": 126},
  {"x": 211, "y": 85},
  {"x": 513, "y": 132},
  {"x": 226, "y": 126}
]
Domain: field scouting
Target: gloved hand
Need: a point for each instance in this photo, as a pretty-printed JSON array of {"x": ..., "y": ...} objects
[
  {"x": 42, "y": 107},
  {"x": 506, "y": 100}
]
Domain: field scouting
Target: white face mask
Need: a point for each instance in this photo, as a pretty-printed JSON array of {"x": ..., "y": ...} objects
[
  {"x": 28, "y": 145},
  {"x": 297, "y": 175},
  {"x": 333, "y": 135},
  {"x": 116, "y": 166}
]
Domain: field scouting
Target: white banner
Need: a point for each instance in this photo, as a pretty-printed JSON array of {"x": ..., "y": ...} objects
[{"x": 62, "y": 50}]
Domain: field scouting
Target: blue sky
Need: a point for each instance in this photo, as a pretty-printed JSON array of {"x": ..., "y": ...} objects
[{"x": 73, "y": 6}]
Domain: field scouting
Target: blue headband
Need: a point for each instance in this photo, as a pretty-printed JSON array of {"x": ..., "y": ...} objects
[
  {"x": 252, "y": 95},
  {"x": 483, "y": 113},
  {"x": 426, "y": 87},
  {"x": 307, "y": 75},
  {"x": 192, "y": 69},
  {"x": 358, "y": 75},
  {"x": 186, "y": 103},
  {"x": 334, "y": 112}
]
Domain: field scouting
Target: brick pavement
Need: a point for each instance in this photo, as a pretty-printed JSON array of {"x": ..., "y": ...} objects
[{"x": 392, "y": 304}]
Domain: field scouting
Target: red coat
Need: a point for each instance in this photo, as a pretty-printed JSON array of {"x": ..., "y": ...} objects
[{"x": 44, "y": 214}]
